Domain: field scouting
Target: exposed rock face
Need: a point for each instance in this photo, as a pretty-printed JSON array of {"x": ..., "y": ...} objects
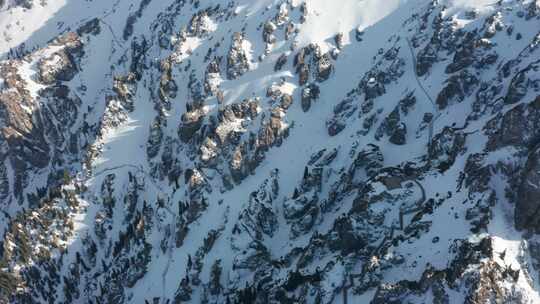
[
  {"x": 485, "y": 286},
  {"x": 445, "y": 147},
  {"x": 237, "y": 62},
  {"x": 399, "y": 135},
  {"x": 517, "y": 127},
  {"x": 527, "y": 207},
  {"x": 92, "y": 27},
  {"x": 394, "y": 128},
  {"x": 281, "y": 61},
  {"x": 191, "y": 123},
  {"x": 309, "y": 94},
  {"x": 388, "y": 69},
  {"x": 26, "y": 145},
  {"x": 458, "y": 87},
  {"x": 57, "y": 67},
  {"x": 34, "y": 135},
  {"x": 311, "y": 62}
]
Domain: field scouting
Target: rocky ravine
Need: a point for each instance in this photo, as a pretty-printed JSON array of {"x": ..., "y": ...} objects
[{"x": 188, "y": 151}]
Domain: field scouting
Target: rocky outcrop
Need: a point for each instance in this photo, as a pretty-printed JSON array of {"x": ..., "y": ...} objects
[
  {"x": 445, "y": 148},
  {"x": 92, "y": 27},
  {"x": 484, "y": 285},
  {"x": 237, "y": 61},
  {"x": 457, "y": 88},
  {"x": 22, "y": 129},
  {"x": 310, "y": 93},
  {"x": 528, "y": 194},
  {"x": 517, "y": 127},
  {"x": 394, "y": 128},
  {"x": 387, "y": 70},
  {"x": 311, "y": 62}
]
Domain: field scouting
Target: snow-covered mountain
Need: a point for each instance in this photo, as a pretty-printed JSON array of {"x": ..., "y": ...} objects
[{"x": 270, "y": 151}]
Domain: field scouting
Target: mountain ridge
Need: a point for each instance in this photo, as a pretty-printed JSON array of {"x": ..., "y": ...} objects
[{"x": 270, "y": 152}]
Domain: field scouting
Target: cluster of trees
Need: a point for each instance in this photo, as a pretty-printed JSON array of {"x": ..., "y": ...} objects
[{"x": 19, "y": 51}]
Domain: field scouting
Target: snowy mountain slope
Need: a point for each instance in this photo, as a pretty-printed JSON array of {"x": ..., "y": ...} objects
[{"x": 269, "y": 151}]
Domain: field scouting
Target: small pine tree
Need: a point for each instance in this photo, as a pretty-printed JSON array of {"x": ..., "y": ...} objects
[
  {"x": 66, "y": 177},
  {"x": 215, "y": 276}
]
